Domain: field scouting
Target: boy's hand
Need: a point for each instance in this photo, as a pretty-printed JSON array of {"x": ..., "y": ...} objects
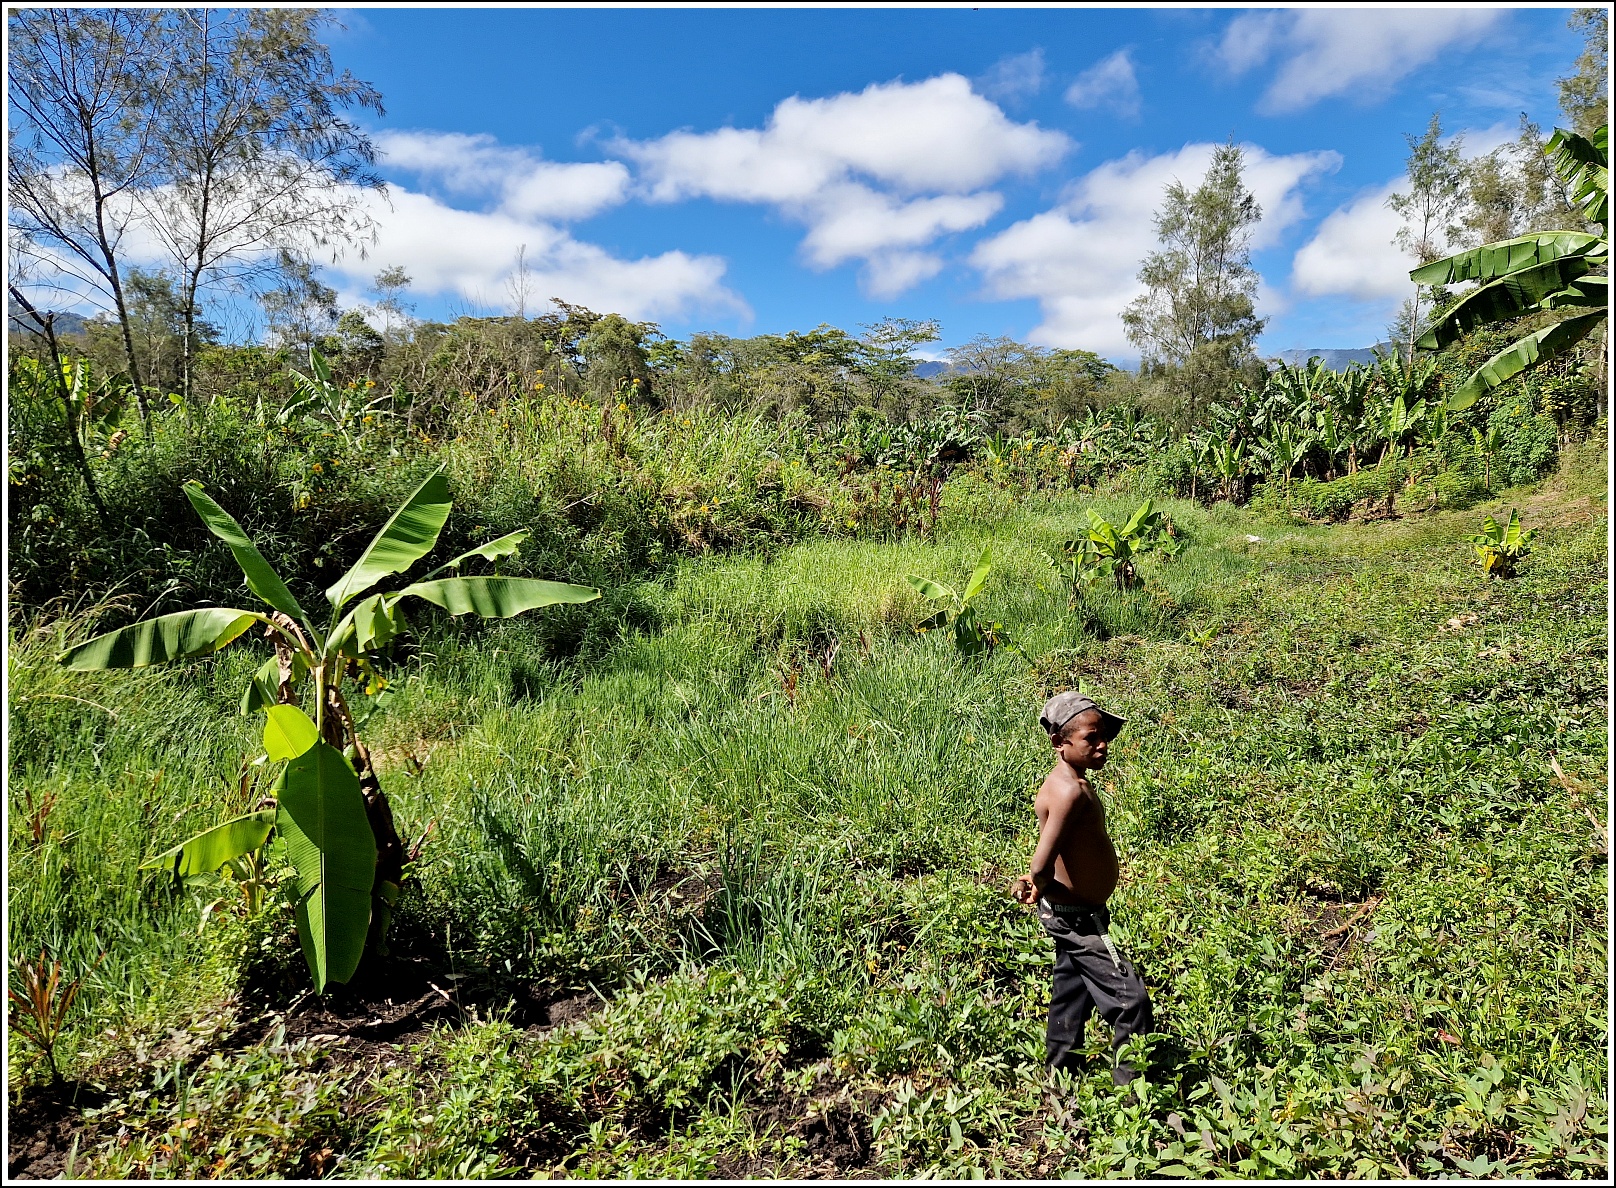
[{"x": 1024, "y": 890}]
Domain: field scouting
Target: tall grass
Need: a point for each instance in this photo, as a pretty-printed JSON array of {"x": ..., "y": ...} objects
[{"x": 772, "y": 825}]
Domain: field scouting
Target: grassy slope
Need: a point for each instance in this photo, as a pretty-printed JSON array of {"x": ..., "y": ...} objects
[{"x": 1372, "y": 918}]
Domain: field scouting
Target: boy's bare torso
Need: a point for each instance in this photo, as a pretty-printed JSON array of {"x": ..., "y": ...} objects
[{"x": 1085, "y": 860}]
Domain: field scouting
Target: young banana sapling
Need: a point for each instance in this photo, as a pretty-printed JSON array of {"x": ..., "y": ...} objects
[{"x": 328, "y": 805}]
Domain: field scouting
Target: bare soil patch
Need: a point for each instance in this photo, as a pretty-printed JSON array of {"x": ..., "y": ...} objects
[{"x": 41, "y": 1128}]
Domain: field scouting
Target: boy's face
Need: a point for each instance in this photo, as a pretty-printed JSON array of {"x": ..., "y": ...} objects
[{"x": 1081, "y": 744}]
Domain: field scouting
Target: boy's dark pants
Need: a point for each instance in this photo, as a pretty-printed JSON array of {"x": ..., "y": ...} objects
[{"x": 1090, "y": 973}]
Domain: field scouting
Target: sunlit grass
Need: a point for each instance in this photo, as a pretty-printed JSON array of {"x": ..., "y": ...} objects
[{"x": 783, "y": 861}]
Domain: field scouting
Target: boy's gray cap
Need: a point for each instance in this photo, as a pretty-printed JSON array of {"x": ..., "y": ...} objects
[{"x": 1063, "y": 707}]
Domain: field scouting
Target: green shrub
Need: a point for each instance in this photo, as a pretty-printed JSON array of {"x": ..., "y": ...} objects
[{"x": 1530, "y": 441}]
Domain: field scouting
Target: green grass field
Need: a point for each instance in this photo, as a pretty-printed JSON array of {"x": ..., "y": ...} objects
[{"x": 768, "y": 834}]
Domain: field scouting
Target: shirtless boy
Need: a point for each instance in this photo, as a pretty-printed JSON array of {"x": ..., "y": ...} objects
[{"x": 1074, "y": 871}]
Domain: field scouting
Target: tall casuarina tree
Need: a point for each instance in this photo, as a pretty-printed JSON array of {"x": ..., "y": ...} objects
[{"x": 1198, "y": 321}]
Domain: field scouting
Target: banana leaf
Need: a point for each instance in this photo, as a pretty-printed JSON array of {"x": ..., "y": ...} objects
[
  {"x": 331, "y": 846},
  {"x": 263, "y": 689},
  {"x": 261, "y": 579},
  {"x": 375, "y": 623},
  {"x": 288, "y": 732},
  {"x": 372, "y": 622},
  {"x": 496, "y": 597},
  {"x": 1520, "y": 355},
  {"x": 1493, "y": 260},
  {"x": 504, "y": 546},
  {"x": 407, "y": 537},
  {"x": 928, "y": 588},
  {"x": 1138, "y": 518},
  {"x": 979, "y": 578},
  {"x": 1582, "y": 293},
  {"x": 1503, "y": 299},
  {"x": 178, "y": 636},
  {"x": 1583, "y": 165},
  {"x": 265, "y": 686},
  {"x": 212, "y": 848}
]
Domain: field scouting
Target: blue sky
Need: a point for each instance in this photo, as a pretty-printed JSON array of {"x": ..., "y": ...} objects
[{"x": 752, "y": 171}]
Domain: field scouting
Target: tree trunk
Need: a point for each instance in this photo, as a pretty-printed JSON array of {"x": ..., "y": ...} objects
[
  {"x": 47, "y": 331},
  {"x": 116, "y": 281},
  {"x": 186, "y": 350},
  {"x": 135, "y": 377}
]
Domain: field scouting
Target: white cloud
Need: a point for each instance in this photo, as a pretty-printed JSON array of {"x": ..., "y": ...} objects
[
  {"x": 1363, "y": 53},
  {"x": 875, "y": 176},
  {"x": 854, "y": 221},
  {"x": 473, "y": 254},
  {"x": 1018, "y": 76},
  {"x": 1111, "y": 83},
  {"x": 1080, "y": 260},
  {"x": 1352, "y": 254},
  {"x": 515, "y": 179}
]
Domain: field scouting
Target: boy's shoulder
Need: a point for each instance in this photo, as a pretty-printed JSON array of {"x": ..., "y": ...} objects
[{"x": 1062, "y": 783}]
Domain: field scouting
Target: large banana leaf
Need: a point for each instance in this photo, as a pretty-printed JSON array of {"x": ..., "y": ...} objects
[
  {"x": 497, "y": 597},
  {"x": 1493, "y": 260},
  {"x": 261, "y": 579},
  {"x": 1506, "y": 298},
  {"x": 492, "y": 551},
  {"x": 179, "y": 636},
  {"x": 1520, "y": 355},
  {"x": 1584, "y": 292},
  {"x": 212, "y": 848},
  {"x": 1140, "y": 515},
  {"x": 332, "y": 848},
  {"x": 287, "y": 732},
  {"x": 1584, "y": 167},
  {"x": 375, "y": 622},
  {"x": 403, "y": 540}
]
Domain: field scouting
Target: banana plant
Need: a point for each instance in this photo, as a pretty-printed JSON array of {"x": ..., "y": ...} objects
[
  {"x": 1399, "y": 421},
  {"x": 1229, "y": 462},
  {"x": 321, "y": 396},
  {"x": 1435, "y": 422},
  {"x": 1108, "y": 551},
  {"x": 1488, "y": 443},
  {"x": 1334, "y": 436},
  {"x": 1546, "y": 270},
  {"x": 1500, "y": 546},
  {"x": 1287, "y": 447},
  {"x": 974, "y": 636},
  {"x": 1201, "y": 457},
  {"x": 329, "y": 809}
]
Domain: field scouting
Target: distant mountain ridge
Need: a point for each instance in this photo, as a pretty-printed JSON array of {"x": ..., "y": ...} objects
[
  {"x": 65, "y": 321},
  {"x": 1335, "y": 360}
]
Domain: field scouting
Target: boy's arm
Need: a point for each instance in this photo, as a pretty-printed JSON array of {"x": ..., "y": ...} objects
[{"x": 1041, "y": 872}]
